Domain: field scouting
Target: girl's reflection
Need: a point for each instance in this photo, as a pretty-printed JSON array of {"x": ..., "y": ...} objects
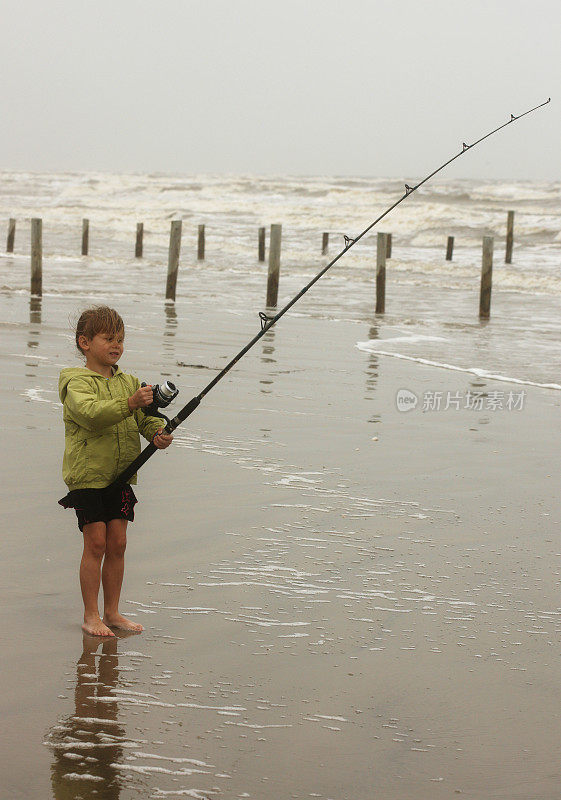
[{"x": 88, "y": 745}]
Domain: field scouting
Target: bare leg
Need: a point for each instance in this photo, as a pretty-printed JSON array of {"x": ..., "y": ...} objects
[
  {"x": 90, "y": 573},
  {"x": 112, "y": 576}
]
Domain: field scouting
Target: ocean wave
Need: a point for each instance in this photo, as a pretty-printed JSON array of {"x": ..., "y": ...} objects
[{"x": 371, "y": 347}]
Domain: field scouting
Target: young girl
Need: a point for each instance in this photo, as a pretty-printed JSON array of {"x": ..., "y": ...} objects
[{"x": 102, "y": 418}]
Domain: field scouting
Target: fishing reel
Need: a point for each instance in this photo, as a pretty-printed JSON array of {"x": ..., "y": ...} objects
[{"x": 162, "y": 395}]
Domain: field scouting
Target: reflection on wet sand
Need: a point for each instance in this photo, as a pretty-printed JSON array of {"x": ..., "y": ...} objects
[
  {"x": 372, "y": 373},
  {"x": 373, "y": 362},
  {"x": 35, "y": 310},
  {"x": 170, "y": 329},
  {"x": 34, "y": 319},
  {"x": 267, "y": 357},
  {"x": 171, "y": 319},
  {"x": 88, "y": 744},
  {"x": 34, "y": 333}
]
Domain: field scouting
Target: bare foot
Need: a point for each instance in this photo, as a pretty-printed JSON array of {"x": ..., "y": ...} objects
[
  {"x": 118, "y": 621},
  {"x": 95, "y": 627}
]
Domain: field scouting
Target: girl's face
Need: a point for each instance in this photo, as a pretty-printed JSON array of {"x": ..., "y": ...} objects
[{"x": 104, "y": 350}]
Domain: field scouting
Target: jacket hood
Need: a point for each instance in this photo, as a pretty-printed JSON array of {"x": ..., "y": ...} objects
[{"x": 68, "y": 373}]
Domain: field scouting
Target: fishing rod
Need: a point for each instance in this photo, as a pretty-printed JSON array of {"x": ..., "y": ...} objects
[{"x": 267, "y": 322}]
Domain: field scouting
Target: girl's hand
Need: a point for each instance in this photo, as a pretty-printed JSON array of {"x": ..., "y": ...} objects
[
  {"x": 162, "y": 440},
  {"x": 141, "y": 398}
]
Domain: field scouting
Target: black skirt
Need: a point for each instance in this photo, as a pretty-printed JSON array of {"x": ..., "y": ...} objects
[{"x": 101, "y": 505}]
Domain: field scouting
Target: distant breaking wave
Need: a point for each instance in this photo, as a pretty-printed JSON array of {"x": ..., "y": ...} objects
[{"x": 371, "y": 347}]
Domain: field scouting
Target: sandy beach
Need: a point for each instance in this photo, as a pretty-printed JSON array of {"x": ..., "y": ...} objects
[
  {"x": 347, "y": 564},
  {"x": 341, "y": 600}
]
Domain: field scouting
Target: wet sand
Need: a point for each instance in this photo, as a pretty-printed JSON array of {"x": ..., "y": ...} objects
[{"x": 340, "y": 600}]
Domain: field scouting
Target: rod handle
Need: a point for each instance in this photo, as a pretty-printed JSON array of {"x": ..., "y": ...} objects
[
  {"x": 151, "y": 448},
  {"x": 135, "y": 465}
]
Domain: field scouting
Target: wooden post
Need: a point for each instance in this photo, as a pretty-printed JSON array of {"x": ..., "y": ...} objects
[
  {"x": 261, "y": 245},
  {"x": 85, "y": 236},
  {"x": 486, "y": 278},
  {"x": 201, "y": 244},
  {"x": 139, "y": 236},
  {"x": 509, "y": 237},
  {"x": 37, "y": 257},
  {"x": 11, "y": 236},
  {"x": 381, "y": 249},
  {"x": 173, "y": 258},
  {"x": 449, "y": 248},
  {"x": 274, "y": 265},
  {"x": 388, "y": 245},
  {"x": 324, "y": 244}
]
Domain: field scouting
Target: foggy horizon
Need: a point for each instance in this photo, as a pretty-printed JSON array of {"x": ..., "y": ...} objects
[{"x": 370, "y": 90}]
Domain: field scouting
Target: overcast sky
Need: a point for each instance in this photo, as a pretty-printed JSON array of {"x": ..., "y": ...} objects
[{"x": 329, "y": 87}]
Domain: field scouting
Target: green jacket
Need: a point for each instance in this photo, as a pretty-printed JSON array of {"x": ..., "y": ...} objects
[{"x": 101, "y": 434}]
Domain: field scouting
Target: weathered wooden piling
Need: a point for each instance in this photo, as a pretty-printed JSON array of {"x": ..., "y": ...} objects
[
  {"x": 449, "y": 248},
  {"x": 486, "y": 278},
  {"x": 37, "y": 257},
  {"x": 138, "y": 248},
  {"x": 85, "y": 236},
  {"x": 274, "y": 265},
  {"x": 381, "y": 249},
  {"x": 201, "y": 244},
  {"x": 324, "y": 244},
  {"x": 261, "y": 245},
  {"x": 509, "y": 237},
  {"x": 388, "y": 245},
  {"x": 173, "y": 258},
  {"x": 11, "y": 236}
]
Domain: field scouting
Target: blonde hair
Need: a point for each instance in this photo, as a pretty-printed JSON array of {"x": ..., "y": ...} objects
[{"x": 98, "y": 319}]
